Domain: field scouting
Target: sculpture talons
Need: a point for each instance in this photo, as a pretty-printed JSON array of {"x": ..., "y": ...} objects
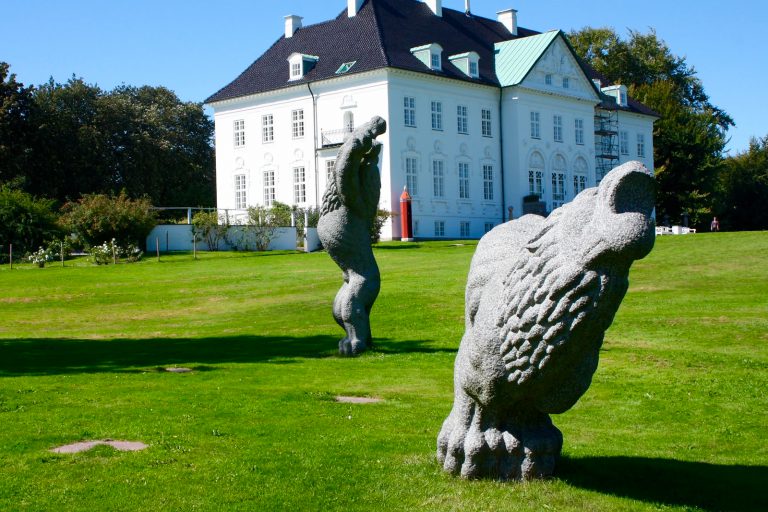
[{"x": 354, "y": 347}]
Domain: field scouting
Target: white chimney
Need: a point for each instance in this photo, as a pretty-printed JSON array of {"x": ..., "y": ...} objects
[
  {"x": 508, "y": 18},
  {"x": 292, "y": 24},
  {"x": 467, "y": 11},
  {"x": 353, "y": 7},
  {"x": 436, "y": 6}
]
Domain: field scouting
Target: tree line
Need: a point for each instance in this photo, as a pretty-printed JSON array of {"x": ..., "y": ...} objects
[
  {"x": 692, "y": 174},
  {"x": 63, "y": 141}
]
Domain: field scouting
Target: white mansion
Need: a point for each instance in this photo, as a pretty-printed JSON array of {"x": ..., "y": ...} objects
[{"x": 483, "y": 116}]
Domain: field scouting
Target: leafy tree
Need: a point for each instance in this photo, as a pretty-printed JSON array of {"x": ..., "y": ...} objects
[
  {"x": 208, "y": 228},
  {"x": 690, "y": 136},
  {"x": 25, "y": 221},
  {"x": 15, "y": 127},
  {"x": 99, "y": 218},
  {"x": 743, "y": 189}
]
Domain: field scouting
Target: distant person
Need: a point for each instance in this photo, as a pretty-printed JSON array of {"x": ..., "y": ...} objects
[{"x": 715, "y": 226}]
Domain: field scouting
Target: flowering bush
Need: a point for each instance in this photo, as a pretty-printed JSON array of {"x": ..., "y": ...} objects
[
  {"x": 40, "y": 257},
  {"x": 110, "y": 252}
]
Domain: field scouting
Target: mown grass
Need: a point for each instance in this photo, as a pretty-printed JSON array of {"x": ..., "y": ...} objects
[{"x": 675, "y": 418}]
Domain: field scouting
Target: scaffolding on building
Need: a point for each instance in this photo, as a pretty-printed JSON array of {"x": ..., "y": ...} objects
[{"x": 606, "y": 141}]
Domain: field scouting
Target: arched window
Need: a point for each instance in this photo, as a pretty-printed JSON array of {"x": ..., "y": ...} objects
[
  {"x": 558, "y": 182},
  {"x": 536, "y": 174},
  {"x": 580, "y": 170},
  {"x": 349, "y": 122}
]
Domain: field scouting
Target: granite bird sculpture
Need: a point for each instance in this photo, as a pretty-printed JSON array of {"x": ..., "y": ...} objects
[{"x": 540, "y": 294}]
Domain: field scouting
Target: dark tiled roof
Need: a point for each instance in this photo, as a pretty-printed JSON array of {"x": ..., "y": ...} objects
[{"x": 380, "y": 35}]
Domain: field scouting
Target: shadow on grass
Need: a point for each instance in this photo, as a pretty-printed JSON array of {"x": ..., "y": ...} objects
[
  {"x": 389, "y": 346},
  {"x": 52, "y": 356},
  {"x": 709, "y": 487}
]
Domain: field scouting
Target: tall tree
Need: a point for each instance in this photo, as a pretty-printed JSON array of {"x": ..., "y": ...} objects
[
  {"x": 15, "y": 127},
  {"x": 690, "y": 136},
  {"x": 743, "y": 188}
]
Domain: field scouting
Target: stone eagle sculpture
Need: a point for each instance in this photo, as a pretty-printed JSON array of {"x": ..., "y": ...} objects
[
  {"x": 540, "y": 294},
  {"x": 349, "y": 207}
]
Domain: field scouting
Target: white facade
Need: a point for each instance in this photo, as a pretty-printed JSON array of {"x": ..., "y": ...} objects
[{"x": 467, "y": 151}]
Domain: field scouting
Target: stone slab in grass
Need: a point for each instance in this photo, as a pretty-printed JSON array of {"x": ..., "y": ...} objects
[
  {"x": 84, "y": 446},
  {"x": 358, "y": 400}
]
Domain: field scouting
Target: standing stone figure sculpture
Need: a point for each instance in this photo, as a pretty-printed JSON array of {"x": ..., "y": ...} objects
[
  {"x": 349, "y": 207},
  {"x": 540, "y": 294}
]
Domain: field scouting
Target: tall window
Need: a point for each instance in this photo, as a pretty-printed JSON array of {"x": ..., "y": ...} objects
[
  {"x": 578, "y": 125},
  {"x": 435, "y": 61},
  {"x": 409, "y": 111},
  {"x": 580, "y": 170},
  {"x": 239, "y": 132},
  {"x": 295, "y": 70},
  {"x": 299, "y": 185},
  {"x": 438, "y": 178},
  {"x": 473, "y": 69},
  {"x": 349, "y": 122},
  {"x": 548, "y": 79},
  {"x": 267, "y": 128},
  {"x": 558, "y": 182},
  {"x": 624, "y": 143},
  {"x": 437, "y": 115},
  {"x": 411, "y": 176},
  {"x": 464, "y": 229},
  {"x": 566, "y": 82},
  {"x": 641, "y": 145},
  {"x": 439, "y": 228},
  {"x": 488, "y": 226},
  {"x": 535, "y": 125},
  {"x": 297, "y": 120},
  {"x": 536, "y": 174},
  {"x": 269, "y": 188},
  {"x": 557, "y": 123},
  {"x": 330, "y": 165},
  {"x": 485, "y": 118},
  {"x": 240, "y": 199},
  {"x": 463, "y": 180},
  {"x": 462, "y": 120},
  {"x": 488, "y": 182}
]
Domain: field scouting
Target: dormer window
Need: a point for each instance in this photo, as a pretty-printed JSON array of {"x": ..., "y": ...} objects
[
  {"x": 618, "y": 92},
  {"x": 468, "y": 63},
  {"x": 431, "y": 55},
  {"x": 345, "y": 67},
  {"x": 300, "y": 65}
]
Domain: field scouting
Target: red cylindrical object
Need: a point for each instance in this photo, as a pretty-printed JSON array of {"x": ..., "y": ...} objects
[{"x": 406, "y": 221}]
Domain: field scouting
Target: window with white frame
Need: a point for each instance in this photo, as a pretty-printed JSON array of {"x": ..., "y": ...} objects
[
  {"x": 535, "y": 125},
  {"x": 409, "y": 111},
  {"x": 267, "y": 128},
  {"x": 640, "y": 145},
  {"x": 578, "y": 129},
  {"x": 299, "y": 185},
  {"x": 462, "y": 119},
  {"x": 488, "y": 182},
  {"x": 473, "y": 69},
  {"x": 488, "y": 226},
  {"x": 296, "y": 70},
  {"x": 463, "y": 180},
  {"x": 349, "y": 121},
  {"x": 411, "y": 175},
  {"x": 439, "y": 228},
  {"x": 238, "y": 128},
  {"x": 240, "y": 199},
  {"x": 434, "y": 59},
  {"x": 536, "y": 174},
  {"x": 580, "y": 170},
  {"x": 438, "y": 178},
  {"x": 624, "y": 142},
  {"x": 548, "y": 79},
  {"x": 297, "y": 123},
  {"x": 485, "y": 118},
  {"x": 330, "y": 165},
  {"x": 464, "y": 229},
  {"x": 558, "y": 182},
  {"x": 566, "y": 82},
  {"x": 269, "y": 188},
  {"x": 557, "y": 123},
  {"x": 437, "y": 115}
]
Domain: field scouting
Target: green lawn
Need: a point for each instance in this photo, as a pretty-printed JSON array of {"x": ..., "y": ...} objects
[{"x": 676, "y": 418}]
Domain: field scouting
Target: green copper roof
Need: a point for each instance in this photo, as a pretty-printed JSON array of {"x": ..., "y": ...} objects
[{"x": 516, "y": 58}]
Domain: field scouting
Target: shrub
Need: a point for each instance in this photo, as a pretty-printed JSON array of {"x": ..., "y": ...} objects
[
  {"x": 207, "y": 227},
  {"x": 98, "y": 217},
  {"x": 25, "y": 221},
  {"x": 110, "y": 252},
  {"x": 40, "y": 257},
  {"x": 378, "y": 222}
]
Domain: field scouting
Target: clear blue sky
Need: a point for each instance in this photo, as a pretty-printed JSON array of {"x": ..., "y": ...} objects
[{"x": 195, "y": 47}]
